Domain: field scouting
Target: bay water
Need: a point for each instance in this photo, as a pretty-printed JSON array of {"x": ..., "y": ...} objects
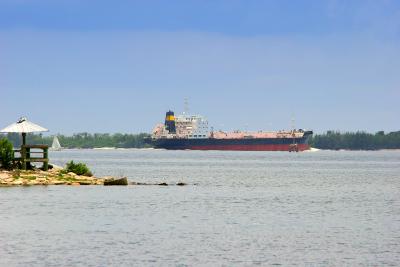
[{"x": 324, "y": 208}]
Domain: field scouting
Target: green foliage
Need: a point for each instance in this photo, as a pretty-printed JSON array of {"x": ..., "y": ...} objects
[
  {"x": 356, "y": 141},
  {"x": 16, "y": 174},
  {"x": 6, "y": 154},
  {"x": 78, "y": 168}
]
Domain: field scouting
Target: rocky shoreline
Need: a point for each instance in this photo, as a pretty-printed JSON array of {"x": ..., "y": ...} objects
[
  {"x": 54, "y": 176},
  {"x": 57, "y": 176}
]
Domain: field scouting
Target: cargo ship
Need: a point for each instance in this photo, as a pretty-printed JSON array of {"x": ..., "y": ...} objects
[{"x": 192, "y": 132}]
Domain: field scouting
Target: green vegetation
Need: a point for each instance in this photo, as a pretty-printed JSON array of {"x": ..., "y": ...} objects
[
  {"x": 85, "y": 140},
  {"x": 356, "y": 141},
  {"x": 16, "y": 174},
  {"x": 77, "y": 168},
  {"x": 67, "y": 179},
  {"x": 6, "y": 154}
]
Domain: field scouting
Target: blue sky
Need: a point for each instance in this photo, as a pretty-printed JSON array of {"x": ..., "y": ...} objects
[{"x": 117, "y": 66}]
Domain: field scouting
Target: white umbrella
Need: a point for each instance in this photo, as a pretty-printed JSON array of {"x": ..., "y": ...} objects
[{"x": 23, "y": 126}]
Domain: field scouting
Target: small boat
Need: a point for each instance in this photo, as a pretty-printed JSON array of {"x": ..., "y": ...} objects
[{"x": 56, "y": 146}]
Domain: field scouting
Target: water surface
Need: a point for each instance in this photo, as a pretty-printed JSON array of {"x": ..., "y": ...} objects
[{"x": 321, "y": 208}]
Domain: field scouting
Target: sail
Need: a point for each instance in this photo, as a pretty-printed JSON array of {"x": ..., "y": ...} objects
[{"x": 56, "y": 144}]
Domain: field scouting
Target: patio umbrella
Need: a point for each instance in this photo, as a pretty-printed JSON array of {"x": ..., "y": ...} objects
[{"x": 23, "y": 126}]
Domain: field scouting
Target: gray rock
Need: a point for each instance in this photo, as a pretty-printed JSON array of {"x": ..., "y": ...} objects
[{"x": 113, "y": 181}]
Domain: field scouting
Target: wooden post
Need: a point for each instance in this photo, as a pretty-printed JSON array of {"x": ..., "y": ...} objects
[
  {"x": 23, "y": 139},
  {"x": 28, "y": 157},
  {"x": 46, "y": 157},
  {"x": 23, "y": 157}
]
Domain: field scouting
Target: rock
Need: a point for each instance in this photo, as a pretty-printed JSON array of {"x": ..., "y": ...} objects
[
  {"x": 55, "y": 167},
  {"x": 4, "y": 175},
  {"x": 140, "y": 183},
  {"x": 52, "y": 177},
  {"x": 17, "y": 182},
  {"x": 82, "y": 182},
  {"x": 86, "y": 178},
  {"x": 59, "y": 182},
  {"x": 113, "y": 181},
  {"x": 53, "y": 171},
  {"x": 26, "y": 175}
]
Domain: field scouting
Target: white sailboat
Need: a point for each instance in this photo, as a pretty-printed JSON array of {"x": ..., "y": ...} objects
[{"x": 56, "y": 144}]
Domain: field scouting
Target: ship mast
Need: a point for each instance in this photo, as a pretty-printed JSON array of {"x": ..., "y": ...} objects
[
  {"x": 294, "y": 146},
  {"x": 293, "y": 125},
  {"x": 186, "y": 106}
]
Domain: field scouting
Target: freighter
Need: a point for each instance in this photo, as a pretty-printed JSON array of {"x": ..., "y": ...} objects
[{"x": 192, "y": 132}]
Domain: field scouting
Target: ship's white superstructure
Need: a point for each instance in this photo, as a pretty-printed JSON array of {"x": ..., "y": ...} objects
[
  {"x": 191, "y": 126},
  {"x": 186, "y": 126}
]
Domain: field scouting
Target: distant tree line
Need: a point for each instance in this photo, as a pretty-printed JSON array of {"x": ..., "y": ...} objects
[
  {"x": 84, "y": 140},
  {"x": 330, "y": 140},
  {"x": 356, "y": 140}
]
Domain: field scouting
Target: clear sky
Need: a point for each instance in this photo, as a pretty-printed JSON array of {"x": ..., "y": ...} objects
[{"x": 117, "y": 66}]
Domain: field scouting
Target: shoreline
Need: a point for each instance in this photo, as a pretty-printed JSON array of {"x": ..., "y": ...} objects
[
  {"x": 51, "y": 177},
  {"x": 56, "y": 176}
]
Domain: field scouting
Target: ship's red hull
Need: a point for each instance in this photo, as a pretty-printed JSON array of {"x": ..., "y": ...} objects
[
  {"x": 240, "y": 144},
  {"x": 264, "y": 147}
]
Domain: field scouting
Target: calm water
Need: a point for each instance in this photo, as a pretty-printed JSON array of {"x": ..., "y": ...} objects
[{"x": 240, "y": 208}]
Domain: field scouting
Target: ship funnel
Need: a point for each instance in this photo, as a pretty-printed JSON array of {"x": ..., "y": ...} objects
[{"x": 170, "y": 122}]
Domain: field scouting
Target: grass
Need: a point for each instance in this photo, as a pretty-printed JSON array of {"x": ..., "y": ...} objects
[
  {"x": 78, "y": 168},
  {"x": 16, "y": 174},
  {"x": 67, "y": 179}
]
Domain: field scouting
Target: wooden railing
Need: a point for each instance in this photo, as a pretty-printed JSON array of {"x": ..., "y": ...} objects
[{"x": 26, "y": 153}]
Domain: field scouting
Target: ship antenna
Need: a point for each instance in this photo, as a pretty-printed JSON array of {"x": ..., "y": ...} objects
[
  {"x": 293, "y": 123},
  {"x": 293, "y": 147},
  {"x": 186, "y": 106}
]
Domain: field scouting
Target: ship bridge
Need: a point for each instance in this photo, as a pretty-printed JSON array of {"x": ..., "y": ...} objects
[
  {"x": 182, "y": 126},
  {"x": 191, "y": 126}
]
